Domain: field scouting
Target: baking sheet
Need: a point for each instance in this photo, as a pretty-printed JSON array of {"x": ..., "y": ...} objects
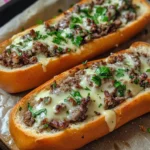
[{"x": 128, "y": 137}]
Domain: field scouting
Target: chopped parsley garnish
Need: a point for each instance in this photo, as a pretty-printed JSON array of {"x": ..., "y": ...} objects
[
  {"x": 77, "y": 41},
  {"x": 95, "y": 18},
  {"x": 120, "y": 88},
  {"x": 30, "y": 108},
  {"x": 12, "y": 46},
  {"x": 69, "y": 35},
  {"x": 51, "y": 33},
  {"x": 35, "y": 114},
  {"x": 44, "y": 37},
  {"x": 96, "y": 80},
  {"x": 38, "y": 35},
  {"x": 120, "y": 73},
  {"x": 9, "y": 51},
  {"x": 104, "y": 18},
  {"x": 136, "y": 81},
  {"x": 44, "y": 110},
  {"x": 76, "y": 96},
  {"x": 148, "y": 130},
  {"x": 58, "y": 39},
  {"x": 46, "y": 125},
  {"x": 103, "y": 72},
  {"x": 75, "y": 21},
  {"x": 60, "y": 49},
  {"x": 86, "y": 88},
  {"x": 100, "y": 12},
  {"x": 67, "y": 112},
  {"x": 39, "y": 21},
  {"x": 85, "y": 62},
  {"x": 69, "y": 50},
  {"x": 66, "y": 100},
  {"x": 86, "y": 12},
  {"x": 73, "y": 26},
  {"x": 29, "y": 39},
  {"x": 148, "y": 70},
  {"x": 54, "y": 85},
  {"x": 132, "y": 10},
  {"x": 131, "y": 77},
  {"x": 100, "y": 105}
]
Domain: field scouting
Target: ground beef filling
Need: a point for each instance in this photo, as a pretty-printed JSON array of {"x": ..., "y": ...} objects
[{"x": 112, "y": 15}]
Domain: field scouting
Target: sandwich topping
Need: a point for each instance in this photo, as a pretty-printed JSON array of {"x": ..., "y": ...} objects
[
  {"x": 88, "y": 93},
  {"x": 86, "y": 22}
]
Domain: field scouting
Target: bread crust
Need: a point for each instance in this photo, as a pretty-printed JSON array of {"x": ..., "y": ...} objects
[
  {"x": 125, "y": 112},
  {"x": 25, "y": 78}
]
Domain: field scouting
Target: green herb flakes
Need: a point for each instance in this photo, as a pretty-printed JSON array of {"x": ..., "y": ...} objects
[
  {"x": 77, "y": 41},
  {"x": 44, "y": 110},
  {"x": 39, "y": 22},
  {"x": 96, "y": 80},
  {"x": 54, "y": 85},
  {"x": 67, "y": 112},
  {"x": 85, "y": 62},
  {"x": 76, "y": 20},
  {"x": 76, "y": 96},
  {"x": 148, "y": 130},
  {"x": 104, "y": 18},
  {"x": 100, "y": 105},
  {"x": 46, "y": 126},
  {"x": 30, "y": 108},
  {"x": 120, "y": 88},
  {"x": 35, "y": 114},
  {"x": 148, "y": 70},
  {"x": 136, "y": 81},
  {"x": 87, "y": 89},
  {"x": 103, "y": 72},
  {"x": 119, "y": 73},
  {"x": 101, "y": 10}
]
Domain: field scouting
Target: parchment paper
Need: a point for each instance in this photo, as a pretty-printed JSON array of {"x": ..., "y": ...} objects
[{"x": 127, "y": 137}]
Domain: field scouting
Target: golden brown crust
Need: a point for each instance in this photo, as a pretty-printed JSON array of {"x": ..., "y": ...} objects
[
  {"x": 125, "y": 112},
  {"x": 23, "y": 79}
]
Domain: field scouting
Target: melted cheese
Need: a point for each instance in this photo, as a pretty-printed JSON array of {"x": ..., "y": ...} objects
[
  {"x": 110, "y": 118},
  {"x": 96, "y": 94}
]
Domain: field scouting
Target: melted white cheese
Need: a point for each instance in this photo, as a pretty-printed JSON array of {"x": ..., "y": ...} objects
[
  {"x": 96, "y": 105},
  {"x": 96, "y": 94},
  {"x": 110, "y": 118}
]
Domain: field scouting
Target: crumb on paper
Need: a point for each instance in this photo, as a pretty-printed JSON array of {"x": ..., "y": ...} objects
[{"x": 142, "y": 128}]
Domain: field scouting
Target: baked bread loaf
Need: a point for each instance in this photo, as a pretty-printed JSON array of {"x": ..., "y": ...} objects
[
  {"x": 90, "y": 28},
  {"x": 84, "y": 103}
]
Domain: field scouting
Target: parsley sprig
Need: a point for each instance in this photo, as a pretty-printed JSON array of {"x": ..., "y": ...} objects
[
  {"x": 102, "y": 72},
  {"x": 76, "y": 96},
  {"x": 36, "y": 113},
  {"x": 120, "y": 88}
]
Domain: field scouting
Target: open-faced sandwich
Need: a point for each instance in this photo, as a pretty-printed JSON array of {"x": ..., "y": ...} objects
[{"x": 84, "y": 103}]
